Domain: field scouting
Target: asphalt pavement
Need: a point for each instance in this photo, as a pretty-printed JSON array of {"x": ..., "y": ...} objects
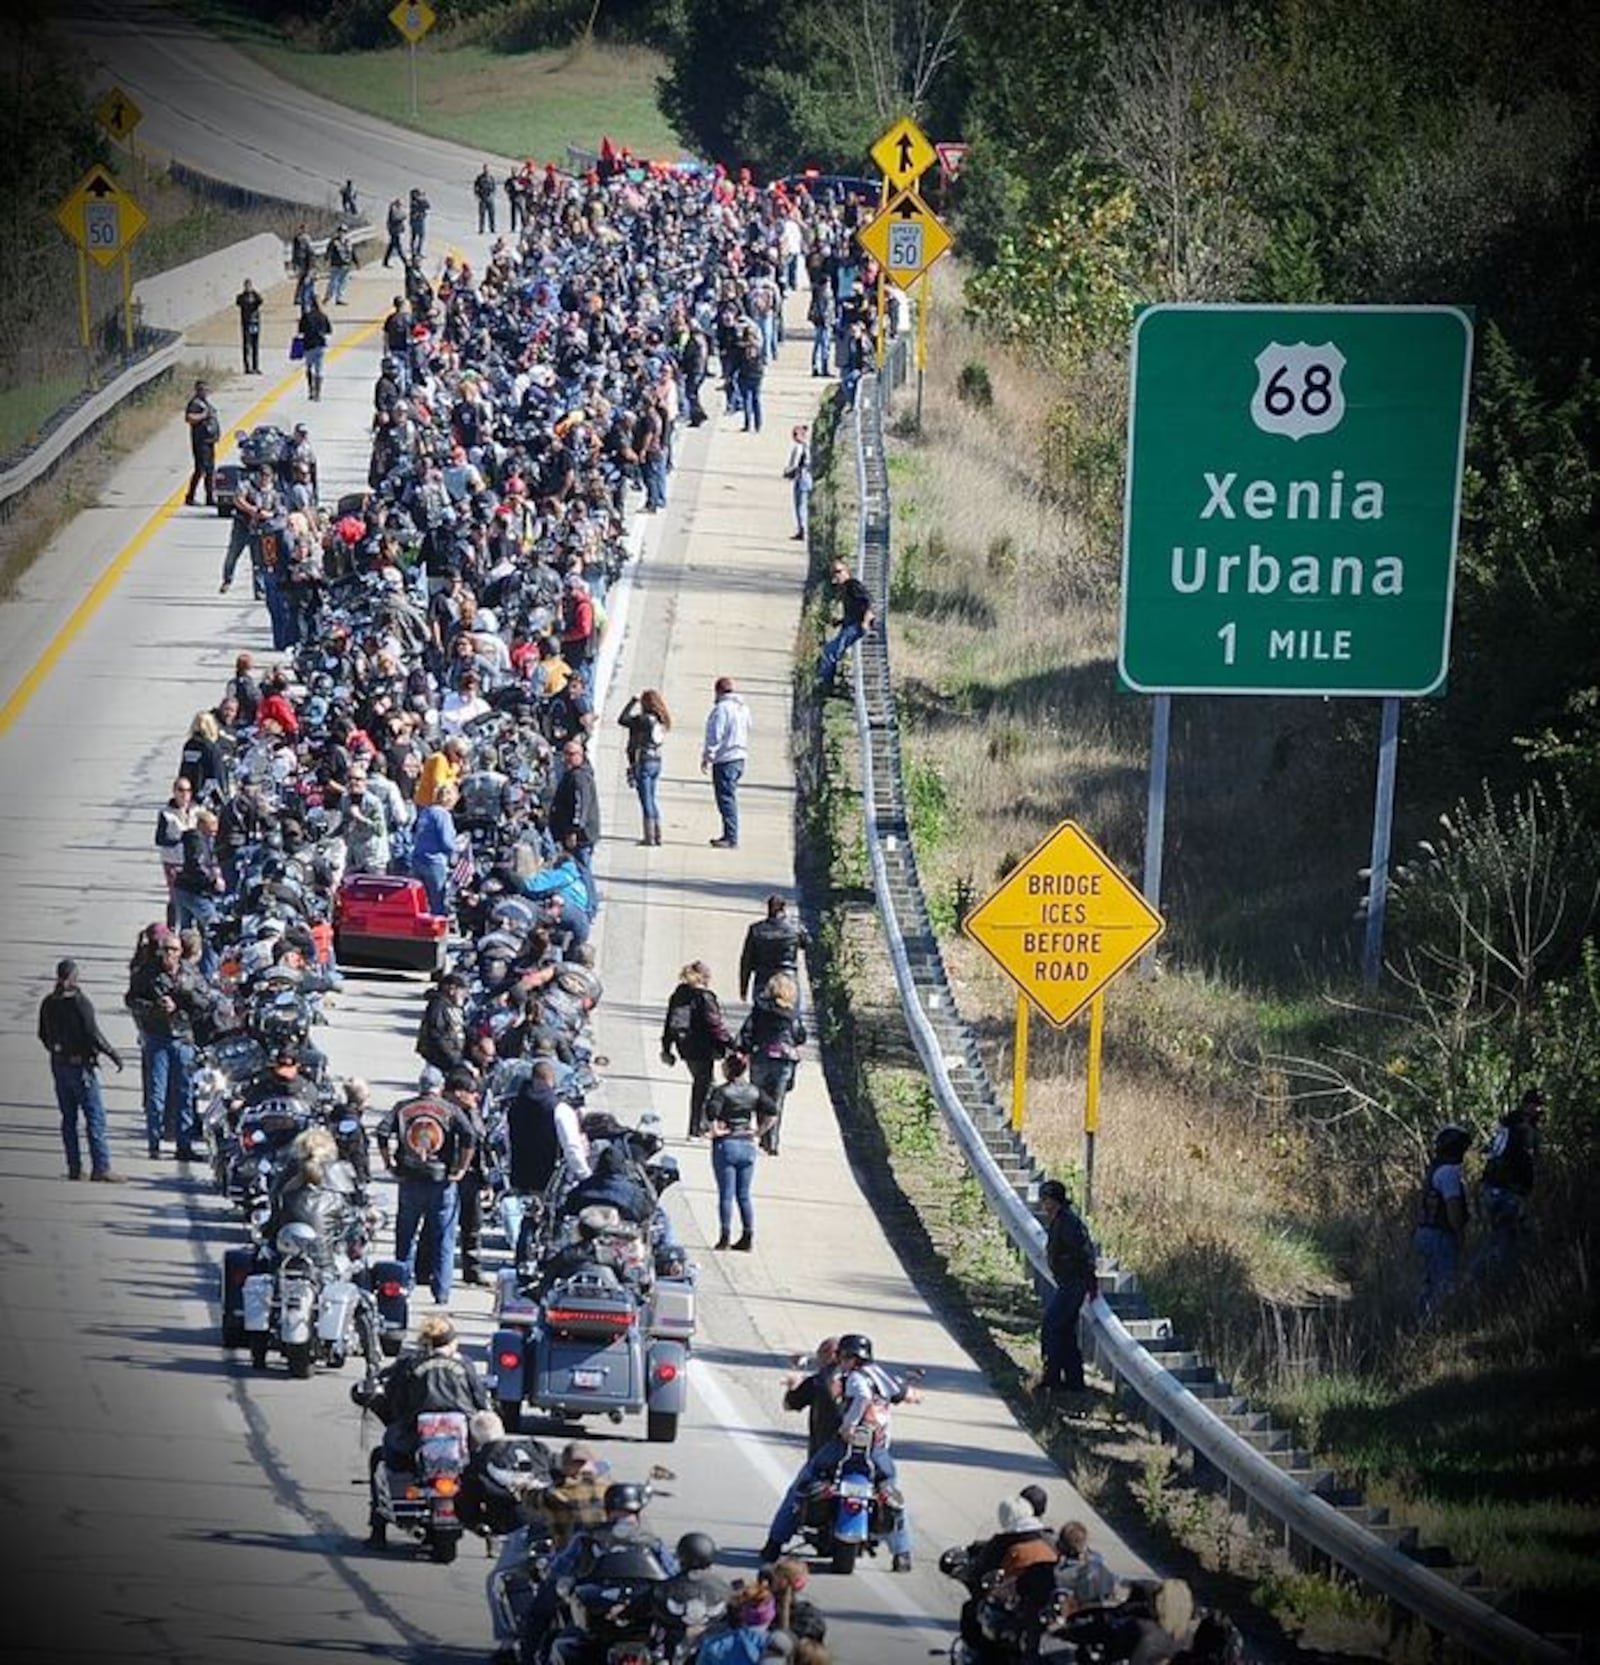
[{"x": 162, "y": 1500}]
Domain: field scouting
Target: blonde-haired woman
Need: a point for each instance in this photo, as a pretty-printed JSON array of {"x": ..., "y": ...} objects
[
  {"x": 201, "y": 762},
  {"x": 695, "y": 1031},
  {"x": 771, "y": 1038}
]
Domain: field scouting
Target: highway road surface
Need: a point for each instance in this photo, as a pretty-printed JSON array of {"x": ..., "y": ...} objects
[{"x": 163, "y": 1502}]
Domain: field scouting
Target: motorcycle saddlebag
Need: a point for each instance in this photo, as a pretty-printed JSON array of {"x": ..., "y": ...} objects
[{"x": 383, "y": 919}]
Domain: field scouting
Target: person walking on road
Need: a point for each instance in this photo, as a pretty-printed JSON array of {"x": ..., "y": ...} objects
[
  {"x": 395, "y": 225},
  {"x": 798, "y": 472},
  {"x": 347, "y": 200},
  {"x": 771, "y": 1037},
  {"x": 70, "y": 1033},
  {"x": 723, "y": 756},
  {"x": 315, "y": 330},
  {"x": 484, "y": 189},
  {"x": 248, "y": 301},
  {"x": 695, "y": 1030},
  {"x": 738, "y": 1115},
  {"x": 1074, "y": 1268},
  {"x": 857, "y": 619},
  {"x": 771, "y": 945},
  {"x": 647, "y": 721},
  {"x": 205, "y": 429}
]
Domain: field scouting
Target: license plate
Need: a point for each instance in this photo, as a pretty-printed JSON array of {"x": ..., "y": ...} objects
[{"x": 588, "y": 1378}]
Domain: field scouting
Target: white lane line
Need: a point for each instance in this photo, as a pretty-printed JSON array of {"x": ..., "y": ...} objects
[{"x": 730, "y": 1423}]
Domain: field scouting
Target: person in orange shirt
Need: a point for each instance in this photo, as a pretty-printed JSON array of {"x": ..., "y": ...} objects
[{"x": 443, "y": 767}]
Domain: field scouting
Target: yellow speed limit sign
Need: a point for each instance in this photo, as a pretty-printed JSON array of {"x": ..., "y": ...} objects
[
  {"x": 100, "y": 217},
  {"x": 413, "y": 18},
  {"x": 905, "y": 238}
]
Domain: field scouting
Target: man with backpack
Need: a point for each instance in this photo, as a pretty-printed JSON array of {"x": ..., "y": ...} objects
[
  {"x": 1507, "y": 1185},
  {"x": 1074, "y": 1268}
]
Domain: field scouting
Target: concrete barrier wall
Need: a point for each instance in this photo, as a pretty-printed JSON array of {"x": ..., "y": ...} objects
[{"x": 187, "y": 294}]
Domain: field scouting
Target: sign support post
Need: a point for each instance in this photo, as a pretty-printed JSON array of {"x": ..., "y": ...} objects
[
  {"x": 1155, "y": 818},
  {"x": 1091, "y": 1105},
  {"x": 413, "y": 19},
  {"x": 1382, "y": 827},
  {"x": 1019, "y": 1064},
  {"x": 924, "y": 301},
  {"x": 412, "y": 55},
  {"x": 83, "y": 299}
]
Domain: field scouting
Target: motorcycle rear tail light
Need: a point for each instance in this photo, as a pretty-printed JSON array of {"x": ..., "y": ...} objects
[
  {"x": 509, "y": 1361},
  {"x": 413, "y": 1493},
  {"x": 666, "y": 1372},
  {"x": 391, "y": 1290},
  {"x": 579, "y": 1315},
  {"x": 446, "y": 1485}
]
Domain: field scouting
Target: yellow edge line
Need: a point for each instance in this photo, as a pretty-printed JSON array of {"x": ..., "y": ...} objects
[{"x": 112, "y": 576}]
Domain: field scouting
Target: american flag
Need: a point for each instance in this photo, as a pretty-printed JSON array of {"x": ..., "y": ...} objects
[{"x": 462, "y": 871}]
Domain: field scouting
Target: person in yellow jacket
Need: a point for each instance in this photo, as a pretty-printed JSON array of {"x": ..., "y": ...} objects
[{"x": 444, "y": 767}]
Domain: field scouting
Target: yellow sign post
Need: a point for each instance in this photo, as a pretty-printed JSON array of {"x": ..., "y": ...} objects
[
  {"x": 413, "y": 18},
  {"x": 1061, "y": 925},
  {"x": 104, "y": 222},
  {"x": 118, "y": 114},
  {"x": 1019, "y": 1064},
  {"x": 904, "y": 154}
]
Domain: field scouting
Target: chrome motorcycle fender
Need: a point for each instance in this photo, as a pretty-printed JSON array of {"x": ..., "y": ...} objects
[
  {"x": 296, "y": 1308},
  {"x": 667, "y": 1364}
]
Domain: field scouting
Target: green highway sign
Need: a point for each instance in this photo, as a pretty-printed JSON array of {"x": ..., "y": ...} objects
[{"x": 1294, "y": 486}]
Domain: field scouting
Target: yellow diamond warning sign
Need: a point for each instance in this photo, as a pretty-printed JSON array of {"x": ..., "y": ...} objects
[{"x": 1063, "y": 923}]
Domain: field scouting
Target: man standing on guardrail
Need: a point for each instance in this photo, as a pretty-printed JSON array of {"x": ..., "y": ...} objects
[
  {"x": 857, "y": 618},
  {"x": 1073, "y": 1266}
]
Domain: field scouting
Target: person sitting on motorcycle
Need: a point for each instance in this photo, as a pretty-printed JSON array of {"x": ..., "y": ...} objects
[
  {"x": 694, "y": 1597},
  {"x": 801, "y": 1618},
  {"x": 612, "y": 1183},
  {"x": 499, "y": 1490},
  {"x": 623, "y": 1526},
  {"x": 1081, "y": 1573},
  {"x": 576, "y": 1498},
  {"x": 317, "y": 1192},
  {"x": 1150, "y": 1626},
  {"x": 867, "y": 1391},
  {"x": 280, "y": 1080},
  {"x": 434, "y": 1378},
  {"x": 817, "y": 1394}
]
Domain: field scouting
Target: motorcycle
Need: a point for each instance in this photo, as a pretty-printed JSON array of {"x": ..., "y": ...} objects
[
  {"x": 316, "y": 1305},
  {"x": 421, "y": 1499},
  {"x": 614, "y": 1606},
  {"x": 849, "y": 1511}
]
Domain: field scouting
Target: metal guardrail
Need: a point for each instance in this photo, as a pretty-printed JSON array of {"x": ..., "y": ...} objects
[
  {"x": 81, "y": 420},
  {"x": 1006, "y": 1170}
]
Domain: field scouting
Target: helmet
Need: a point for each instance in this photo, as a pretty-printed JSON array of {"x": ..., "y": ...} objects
[
  {"x": 696, "y": 1551},
  {"x": 626, "y": 1497},
  {"x": 1452, "y": 1142},
  {"x": 856, "y": 1346}
]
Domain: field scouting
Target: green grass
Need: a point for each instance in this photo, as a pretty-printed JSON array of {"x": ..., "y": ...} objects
[
  {"x": 507, "y": 104},
  {"x": 24, "y": 410}
]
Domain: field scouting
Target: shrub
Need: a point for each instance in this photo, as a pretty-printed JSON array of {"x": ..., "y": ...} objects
[{"x": 973, "y": 386}]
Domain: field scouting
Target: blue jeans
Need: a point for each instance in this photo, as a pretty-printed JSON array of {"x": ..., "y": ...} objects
[
  {"x": 434, "y": 872},
  {"x": 787, "y": 1520},
  {"x": 338, "y": 281},
  {"x": 1058, "y": 1338},
  {"x": 281, "y": 610},
  {"x": 1439, "y": 1253},
  {"x": 169, "y": 1065},
  {"x": 733, "y": 1162},
  {"x": 1505, "y": 1213},
  {"x": 238, "y": 542},
  {"x": 655, "y": 480},
  {"x": 838, "y": 645},
  {"x": 725, "y": 788},
  {"x": 78, "y": 1093},
  {"x": 200, "y": 912},
  {"x": 433, "y": 1206},
  {"x": 646, "y": 782},
  {"x": 802, "y": 505},
  {"x": 768, "y": 325},
  {"x": 821, "y": 348},
  {"x": 750, "y": 402}
]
